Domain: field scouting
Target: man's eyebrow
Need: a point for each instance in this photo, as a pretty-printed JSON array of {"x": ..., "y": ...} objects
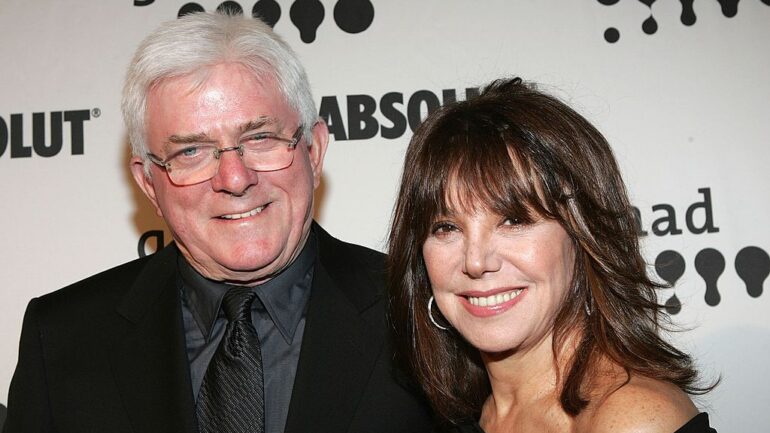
[
  {"x": 188, "y": 139},
  {"x": 258, "y": 123},
  {"x": 202, "y": 137}
]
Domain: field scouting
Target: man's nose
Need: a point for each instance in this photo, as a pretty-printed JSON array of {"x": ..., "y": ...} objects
[
  {"x": 233, "y": 176},
  {"x": 481, "y": 257}
]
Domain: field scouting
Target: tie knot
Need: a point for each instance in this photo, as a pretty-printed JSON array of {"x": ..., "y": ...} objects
[{"x": 237, "y": 304}]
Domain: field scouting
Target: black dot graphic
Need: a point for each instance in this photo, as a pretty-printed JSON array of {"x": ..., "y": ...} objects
[
  {"x": 268, "y": 11},
  {"x": 729, "y": 7},
  {"x": 307, "y": 16},
  {"x": 189, "y": 8},
  {"x": 688, "y": 13},
  {"x": 710, "y": 264},
  {"x": 611, "y": 35},
  {"x": 753, "y": 266},
  {"x": 650, "y": 26},
  {"x": 354, "y": 16},
  {"x": 670, "y": 266},
  {"x": 230, "y": 8},
  {"x": 673, "y": 305}
]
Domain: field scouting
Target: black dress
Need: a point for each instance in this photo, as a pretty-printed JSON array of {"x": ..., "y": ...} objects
[{"x": 699, "y": 424}]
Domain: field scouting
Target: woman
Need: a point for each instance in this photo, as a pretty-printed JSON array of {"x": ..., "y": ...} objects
[{"x": 519, "y": 296}]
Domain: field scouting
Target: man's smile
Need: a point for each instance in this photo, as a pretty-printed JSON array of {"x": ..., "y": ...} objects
[{"x": 237, "y": 216}]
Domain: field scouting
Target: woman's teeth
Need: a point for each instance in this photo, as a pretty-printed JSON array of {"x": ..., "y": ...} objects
[{"x": 492, "y": 300}]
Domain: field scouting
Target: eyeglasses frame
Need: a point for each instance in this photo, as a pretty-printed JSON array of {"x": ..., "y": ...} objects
[{"x": 291, "y": 143}]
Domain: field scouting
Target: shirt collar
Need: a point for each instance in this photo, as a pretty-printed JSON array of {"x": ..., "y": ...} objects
[{"x": 284, "y": 296}]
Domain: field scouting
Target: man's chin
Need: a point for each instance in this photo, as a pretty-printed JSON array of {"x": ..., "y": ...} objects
[
  {"x": 235, "y": 269},
  {"x": 248, "y": 272}
]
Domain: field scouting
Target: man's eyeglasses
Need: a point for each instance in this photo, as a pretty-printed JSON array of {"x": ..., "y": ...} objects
[{"x": 262, "y": 151}]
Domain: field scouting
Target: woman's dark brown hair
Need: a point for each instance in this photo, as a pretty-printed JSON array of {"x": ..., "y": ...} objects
[{"x": 521, "y": 153}]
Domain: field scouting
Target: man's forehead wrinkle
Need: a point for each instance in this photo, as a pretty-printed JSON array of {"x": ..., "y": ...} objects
[{"x": 188, "y": 83}]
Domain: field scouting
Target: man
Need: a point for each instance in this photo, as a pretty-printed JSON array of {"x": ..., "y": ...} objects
[{"x": 255, "y": 319}]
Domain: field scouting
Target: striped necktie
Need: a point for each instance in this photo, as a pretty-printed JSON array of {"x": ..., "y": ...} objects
[{"x": 231, "y": 398}]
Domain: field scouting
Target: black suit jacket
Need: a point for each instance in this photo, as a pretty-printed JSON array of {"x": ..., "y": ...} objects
[{"x": 107, "y": 354}]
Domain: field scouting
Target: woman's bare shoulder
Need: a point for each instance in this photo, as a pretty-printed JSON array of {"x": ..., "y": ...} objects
[{"x": 642, "y": 405}]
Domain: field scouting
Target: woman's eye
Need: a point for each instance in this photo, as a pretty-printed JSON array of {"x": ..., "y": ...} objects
[
  {"x": 511, "y": 222},
  {"x": 442, "y": 228}
]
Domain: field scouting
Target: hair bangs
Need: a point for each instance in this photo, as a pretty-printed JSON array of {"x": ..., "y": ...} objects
[{"x": 478, "y": 163}]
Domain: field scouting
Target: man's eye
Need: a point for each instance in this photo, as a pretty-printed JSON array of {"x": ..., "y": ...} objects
[
  {"x": 261, "y": 142},
  {"x": 190, "y": 152},
  {"x": 261, "y": 138}
]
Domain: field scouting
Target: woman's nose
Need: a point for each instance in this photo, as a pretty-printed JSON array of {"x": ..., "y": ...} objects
[{"x": 481, "y": 257}]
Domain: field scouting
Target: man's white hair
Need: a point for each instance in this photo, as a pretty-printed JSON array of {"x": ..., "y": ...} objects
[{"x": 193, "y": 44}]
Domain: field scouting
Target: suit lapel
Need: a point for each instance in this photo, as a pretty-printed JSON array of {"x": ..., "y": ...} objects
[
  {"x": 339, "y": 350},
  {"x": 149, "y": 360}
]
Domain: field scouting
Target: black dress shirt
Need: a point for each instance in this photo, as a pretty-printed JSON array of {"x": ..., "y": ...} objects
[{"x": 279, "y": 318}]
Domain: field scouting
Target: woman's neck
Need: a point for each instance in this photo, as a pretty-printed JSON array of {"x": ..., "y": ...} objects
[{"x": 526, "y": 381}]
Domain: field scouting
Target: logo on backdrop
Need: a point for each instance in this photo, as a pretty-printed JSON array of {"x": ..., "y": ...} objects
[
  {"x": 360, "y": 123},
  {"x": 48, "y": 138},
  {"x": 687, "y": 17},
  {"x": 751, "y": 263},
  {"x": 148, "y": 238},
  {"x": 351, "y": 16}
]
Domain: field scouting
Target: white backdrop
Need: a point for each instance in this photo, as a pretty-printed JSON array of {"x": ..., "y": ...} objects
[{"x": 685, "y": 108}]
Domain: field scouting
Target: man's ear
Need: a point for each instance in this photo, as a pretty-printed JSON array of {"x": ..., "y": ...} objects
[
  {"x": 144, "y": 180},
  {"x": 318, "y": 150}
]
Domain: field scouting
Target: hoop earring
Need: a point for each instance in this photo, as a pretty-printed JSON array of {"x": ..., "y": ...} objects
[{"x": 430, "y": 316}]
